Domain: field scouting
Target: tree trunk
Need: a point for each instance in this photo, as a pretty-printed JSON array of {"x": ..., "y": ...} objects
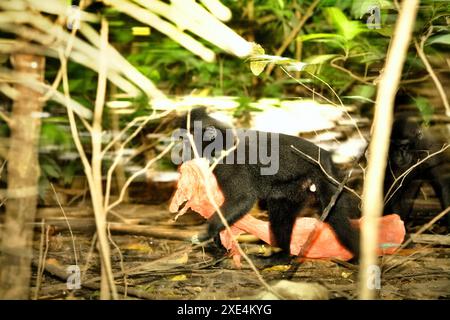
[{"x": 23, "y": 175}]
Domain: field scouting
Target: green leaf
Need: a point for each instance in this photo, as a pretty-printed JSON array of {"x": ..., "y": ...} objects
[
  {"x": 331, "y": 38},
  {"x": 425, "y": 108},
  {"x": 50, "y": 170},
  {"x": 361, "y": 7},
  {"x": 441, "y": 39},
  {"x": 363, "y": 93},
  {"x": 345, "y": 27},
  {"x": 314, "y": 36},
  {"x": 320, "y": 58},
  {"x": 68, "y": 172},
  {"x": 385, "y": 31},
  {"x": 44, "y": 184},
  {"x": 281, "y": 4},
  {"x": 257, "y": 67},
  {"x": 154, "y": 75},
  {"x": 76, "y": 84},
  {"x": 49, "y": 134}
]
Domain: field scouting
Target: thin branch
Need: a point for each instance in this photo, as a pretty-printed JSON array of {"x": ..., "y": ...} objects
[
  {"x": 421, "y": 230},
  {"x": 72, "y": 121},
  {"x": 75, "y": 256},
  {"x": 433, "y": 75},
  {"x": 118, "y": 136},
  {"x": 89, "y": 257},
  {"x": 2, "y": 167},
  {"x": 11, "y": 76},
  {"x": 67, "y": 52},
  {"x": 107, "y": 282},
  {"x": 402, "y": 177},
  {"x": 309, "y": 12},
  {"x": 119, "y": 154},
  {"x": 5, "y": 118},
  {"x": 329, "y": 176},
  {"x": 137, "y": 173},
  {"x": 341, "y": 106},
  {"x": 122, "y": 267},
  {"x": 365, "y": 80},
  {"x": 99, "y": 217},
  {"x": 372, "y": 202},
  {"x": 40, "y": 261},
  {"x": 144, "y": 119},
  {"x": 314, "y": 93},
  {"x": 220, "y": 214},
  {"x": 409, "y": 81}
]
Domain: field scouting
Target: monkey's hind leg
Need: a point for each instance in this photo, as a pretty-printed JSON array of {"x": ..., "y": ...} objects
[{"x": 282, "y": 215}]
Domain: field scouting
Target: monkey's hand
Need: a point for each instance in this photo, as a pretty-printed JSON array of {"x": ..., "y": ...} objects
[
  {"x": 200, "y": 238},
  {"x": 195, "y": 239}
]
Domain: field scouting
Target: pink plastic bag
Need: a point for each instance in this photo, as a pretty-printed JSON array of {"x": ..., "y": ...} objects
[{"x": 324, "y": 244}]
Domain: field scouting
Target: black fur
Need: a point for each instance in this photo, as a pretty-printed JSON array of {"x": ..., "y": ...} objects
[
  {"x": 411, "y": 142},
  {"x": 284, "y": 193}
]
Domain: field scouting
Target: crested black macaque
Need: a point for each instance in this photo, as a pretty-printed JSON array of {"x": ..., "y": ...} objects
[
  {"x": 410, "y": 143},
  {"x": 282, "y": 181}
]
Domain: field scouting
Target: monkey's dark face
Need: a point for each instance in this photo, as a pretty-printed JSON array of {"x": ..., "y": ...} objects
[
  {"x": 209, "y": 134},
  {"x": 401, "y": 156},
  {"x": 407, "y": 143}
]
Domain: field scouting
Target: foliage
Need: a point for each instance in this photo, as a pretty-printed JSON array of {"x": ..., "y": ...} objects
[{"x": 335, "y": 42}]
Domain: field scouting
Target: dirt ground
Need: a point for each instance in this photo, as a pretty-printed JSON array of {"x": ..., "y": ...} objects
[{"x": 153, "y": 259}]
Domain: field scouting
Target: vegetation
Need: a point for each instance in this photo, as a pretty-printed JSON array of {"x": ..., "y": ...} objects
[{"x": 330, "y": 50}]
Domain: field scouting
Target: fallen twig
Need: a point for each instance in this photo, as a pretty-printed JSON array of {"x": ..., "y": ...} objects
[{"x": 435, "y": 239}]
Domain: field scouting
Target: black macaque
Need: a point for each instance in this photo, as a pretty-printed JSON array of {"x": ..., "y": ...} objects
[
  {"x": 284, "y": 191},
  {"x": 410, "y": 143}
]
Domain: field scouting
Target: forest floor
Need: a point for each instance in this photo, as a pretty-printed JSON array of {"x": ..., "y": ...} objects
[{"x": 153, "y": 259}]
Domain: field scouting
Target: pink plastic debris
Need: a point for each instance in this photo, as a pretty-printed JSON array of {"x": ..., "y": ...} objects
[{"x": 192, "y": 188}]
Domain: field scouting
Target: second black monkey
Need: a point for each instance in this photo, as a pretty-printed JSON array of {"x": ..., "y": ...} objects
[{"x": 411, "y": 142}]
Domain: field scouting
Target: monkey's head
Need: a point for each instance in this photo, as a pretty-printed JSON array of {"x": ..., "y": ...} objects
[
  {"x": 209, "y": 134},
  {"x": 407, "y": 142}
]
